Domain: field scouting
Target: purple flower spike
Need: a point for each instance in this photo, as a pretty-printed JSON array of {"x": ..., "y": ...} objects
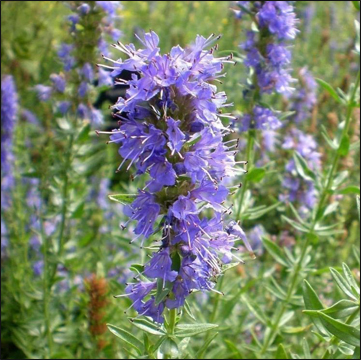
[{"x": 170, "y": 128}]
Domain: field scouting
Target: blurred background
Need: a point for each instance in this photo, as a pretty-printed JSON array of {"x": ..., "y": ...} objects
[{"x": 63, "y": 260}]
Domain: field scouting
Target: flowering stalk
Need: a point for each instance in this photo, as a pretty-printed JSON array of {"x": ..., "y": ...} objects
[
  {"x": 170, "y": 129},
  {"x": 73, "y": 93},
  {"x": 317, "y": 214},
  {"x": 296, "y": 188},
  {"x": 268, "y": 59}
]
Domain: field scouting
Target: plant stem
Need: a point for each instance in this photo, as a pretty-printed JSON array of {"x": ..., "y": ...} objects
[
  {"x": 172, "y": 321},
  {"x": 325, "y": 192},
  {"x": 212, "y": 318},
  {"x": 46, "y": 288},
  {"x": 249, "y": 158},
  {"x": 65, "y": 195},
  {"x": 216, "y": 301}
]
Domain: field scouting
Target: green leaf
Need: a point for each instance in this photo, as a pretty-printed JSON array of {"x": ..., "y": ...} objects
[
  {"x": 342, "y": 283},
  {"x": 295, "y": 330},
  {"x": 344, "y": 332},
  {"x": 286, "y": 318},
  {"x": 356, "y": 253},
  {"x": 265, "y": 209},
  {"x": 203, "y": 349},
  {"x": 162, "y": 292},
  {"x": 233, "y": 350},
  {"x": 286, "y": 114},
  {"x": 352, "y": 189},
  {"x": 296, "y": 214},
  {"x": 356, "y": 4},
  {"x": 306, "y": 349},
  {"x": 295, "y": 224},
  {"x": 312, "y": 302},
  {"x": 126, "y": 337},
  {"x": 158, "y": 344},
  {"x": 329, "y": 89},
  {"x": 345, "y": 349},
  {"x": 168, "y": 350},
  {"x": 281, "y": 353},
  {"x": 342, "y": 309},
  {"x": 331, "y": 208},
  {"x": 256, "y": 175},
  {"x": 227, "y": 267},
  {"x": 357, "y": 42},
  {"x": 275, "y": 251},
  {"x": 148, "y": 326},
  {"x": 124, "y": 199},
  {"x": 356, "y": 354},
  {"x": 186, "y": 330},
  {"x": 255, "y": 309},
  {"x": 340, "y": 179},
  {"x": 302, "y": 167},
  {"x": 344, "y": 148},
  {"x": 331, "y": 143},
  {"x": 183, "y": 348},
  {"x": 188, "y": 310},
  {"x": 350, "y": 278},
  {"x": 137, "y": 268},
  {"x": 83, "y": 134}
]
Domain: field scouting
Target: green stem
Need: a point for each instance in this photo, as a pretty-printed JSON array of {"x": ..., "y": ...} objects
[
  {"x": 216, "y": 301},
  {"x": 212, "y": 318},
  {"x": 47, "y": 278},
  {"x": 46, "y": 288},
  {"x": 249, "y": 158},
  {"x": 325, "y": 192},
  {"x": 64, "y": 207},
  {"x": 172, "y": 321}
]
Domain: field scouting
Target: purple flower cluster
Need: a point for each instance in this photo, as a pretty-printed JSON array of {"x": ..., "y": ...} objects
[
  {"x": 108, "y": 24},
  {"x": 304, "y": 99},
  {"x": 170, "y": 129},
  {"x": 261, "y": 119},
  {"x": 298, "y": 189},
  {"x": 105, "y": 12},
  {"x": 267, "y": 52},
  {"x": 9, "y": 110}
]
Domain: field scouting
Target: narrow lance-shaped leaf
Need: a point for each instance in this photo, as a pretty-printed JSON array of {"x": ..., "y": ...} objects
[
  {"x": 148, "y": 326},
  {"x": 124, "y": 199},
  {"x": 312, "y": 302},
  {"x": 344, "y": 332},
  {"x": 326, "y": 86},
  {"x": 186, "y": 330},
  {"x": 168, "y": 350},
  {"x": 276, "y": 252},
  {"x": 303, "y": 168},
  {"x": 203, "y": 349},
  {"x": 126, "y": 337},
  {"x": 281, "y": 353},
  {"x": 350, "y": 279},
  {"x": 342, "y": 309},
  {"x": 306, "y": 349},
  {"x": 342, "y": 283}
]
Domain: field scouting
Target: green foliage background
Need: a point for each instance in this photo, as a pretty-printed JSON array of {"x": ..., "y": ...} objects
[{"x": 31, "y": 32}]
